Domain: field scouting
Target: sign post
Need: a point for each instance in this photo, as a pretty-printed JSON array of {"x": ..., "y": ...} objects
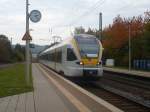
[
  {"x": 27, "y": 44},
  {"x": 34, "y": 16}
]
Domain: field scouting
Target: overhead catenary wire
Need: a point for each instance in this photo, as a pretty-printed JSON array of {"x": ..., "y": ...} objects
[
  {"x": 95, "y": 6},
  {"x": 83, "y": 15},
  {"x": 86, "y": 13}
]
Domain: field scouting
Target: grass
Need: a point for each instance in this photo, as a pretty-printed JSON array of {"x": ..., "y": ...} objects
[{"x": 12, "y": 80}]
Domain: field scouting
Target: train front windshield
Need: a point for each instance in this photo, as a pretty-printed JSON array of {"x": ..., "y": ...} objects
[{"x": 89, "y": 47}]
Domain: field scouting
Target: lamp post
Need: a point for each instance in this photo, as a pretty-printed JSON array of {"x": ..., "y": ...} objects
[
  {"x": 129, "y": 46},
  {"x": 100, "y": 26}
]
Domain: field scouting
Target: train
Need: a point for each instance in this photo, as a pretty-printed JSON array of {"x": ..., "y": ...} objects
[{"x": 79, "y": 56}]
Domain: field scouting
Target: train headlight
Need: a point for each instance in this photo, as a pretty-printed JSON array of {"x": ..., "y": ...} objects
[
  {"x": 99, "y": 63},
  {"x": 80, "y": 63}
]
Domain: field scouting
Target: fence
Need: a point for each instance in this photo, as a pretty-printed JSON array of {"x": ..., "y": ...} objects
[{"x": 141, "y": 64}]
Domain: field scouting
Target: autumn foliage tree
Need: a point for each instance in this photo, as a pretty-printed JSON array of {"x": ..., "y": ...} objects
[{"x": 116, "y": 37}]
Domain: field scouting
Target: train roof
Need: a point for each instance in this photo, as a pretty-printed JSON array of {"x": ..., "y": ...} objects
[
  {"x": 67, "y": 41},
  {"x": 84, "y": 36}
]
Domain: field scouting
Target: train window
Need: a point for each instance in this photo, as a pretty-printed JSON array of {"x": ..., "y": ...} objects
[
  {"x": 88, "y": 46},
  {"x": 51, "y": 57},
  {"x": 70, "y": 55},
  {"x": 87, "y": 41},
  {"x": 59, "y": 56},
  {"x": 46, "y": 56}
]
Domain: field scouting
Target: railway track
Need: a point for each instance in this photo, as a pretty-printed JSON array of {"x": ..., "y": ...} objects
[
  {"x": 113, "y": 91},
  {"x": 117, "y": 100},
  {"x": 137, "y": 81},
  {"x": 129, "y": 93},
  {"x": 132, "y": 87}
]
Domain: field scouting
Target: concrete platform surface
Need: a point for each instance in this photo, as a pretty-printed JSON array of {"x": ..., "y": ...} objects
[
  {"x": 50, "y": 95},
  {"x": 132, "y": 72},
  {"x": 43, "y": 99}
]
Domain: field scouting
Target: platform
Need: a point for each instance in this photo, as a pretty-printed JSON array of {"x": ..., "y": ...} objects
[
  {"x": 54, "y": 94},
  {"x": 126, "y": 71}
]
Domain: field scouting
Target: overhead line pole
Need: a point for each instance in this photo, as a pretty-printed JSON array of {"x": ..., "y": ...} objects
[
  {"x": 27, "y": 44},
  {"x": 100, "y": 26},
  {"x": 129, "y": 46}
]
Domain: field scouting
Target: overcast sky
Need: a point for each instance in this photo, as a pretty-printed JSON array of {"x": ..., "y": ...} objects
[{"x": 63, "y": 15}]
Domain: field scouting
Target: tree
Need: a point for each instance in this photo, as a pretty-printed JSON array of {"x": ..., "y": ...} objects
[
  {"x": 19, "y": 53},
  {"x": 146, "y": 41},
  {"x": 91, "y": 31},
  {"x": 115, "y": 38},
  {"x": 116, "y": 35},
  {"x": 5, "y": 49},
  {"x": 79, "y": 30}
]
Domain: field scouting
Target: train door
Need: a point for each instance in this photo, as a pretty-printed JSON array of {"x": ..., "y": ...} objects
[{"x": 71, "y": 60}]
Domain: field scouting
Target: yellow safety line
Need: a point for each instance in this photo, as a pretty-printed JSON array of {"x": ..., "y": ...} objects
[{"x": 80, "y": 106}]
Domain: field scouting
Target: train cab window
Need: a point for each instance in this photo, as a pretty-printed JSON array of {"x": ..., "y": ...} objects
[{"x": 70, "y": 55}]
